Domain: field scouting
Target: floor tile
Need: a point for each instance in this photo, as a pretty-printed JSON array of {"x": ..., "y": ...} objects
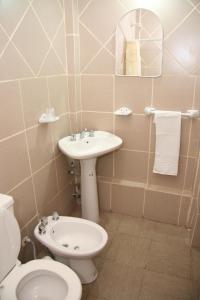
[
  {"x": 117, "y": 281},
  {"x": 110, "y": 221},
  {"x": 171, "y": 259},
  {"x": 131, "y": 225},
  {"x": 144, "y": 260},
  {"x": 163, "y": 287},
  {"x": 128, "y": 250}
]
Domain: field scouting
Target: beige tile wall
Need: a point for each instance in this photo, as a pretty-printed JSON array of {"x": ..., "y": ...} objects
[
  {"x": 126, "y": 181},
  {"x": 33, "y": 77}
]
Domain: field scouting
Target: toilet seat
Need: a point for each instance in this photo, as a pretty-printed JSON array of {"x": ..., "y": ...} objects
[{"x": 61, "y": 272}]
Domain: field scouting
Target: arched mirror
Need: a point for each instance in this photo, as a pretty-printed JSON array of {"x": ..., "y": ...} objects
[{"x": 139, "y": 44}]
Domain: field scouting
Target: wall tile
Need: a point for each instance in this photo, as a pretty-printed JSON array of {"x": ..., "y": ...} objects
[
  {"x": 40, "y": 146},
  {"x": 190, "y": 174},
  {"x": 134, "y": 132},
  {"x": 45, "y": 186},
  {"x": 133, "y": 92},
  {"x": 52, "y": 65},
  {"x": 197, "y": 94},
  {"x": 103, "y": 63},
  {"x": 70, "y": 54},
  {"x": 189, "y": 30},
  {"x": 173, "y": 93},
  {"x": 87, "y": 53},
  {"x": 11, "y": 118},
  {"x": 3, "y": 40},
  {"x": 60, "y": 129},
  {"x": 26, "y": 254},
  {"x": 97, "y": 93},
  {"x": 185, "y": 204},
  {"x": 127, "y": 200},
  {"x": 97, "y": 121},
  {"x": 105, "y": 165},
  {"x": 50, "y": 17},
  {"x": 35, "y": 99},
  {"x": 161, "y": 207},
  {"x": 194, "y": 145},
  {"x": 196, "y": 233},
  {"x": 104, "y": 192},
  {"x": 62, "y": 168},
  {"x": 14, "y": 166},
  {"x": 13, "y": 66},
  {"x": 131, "y": 165},
  {"x": 28, "y": 73},
  {"x": 24, "y": 202},
  {"x": 29, "y": 34},
  {"x": 97, "y": 11},
  {"x": 11, "y": 13},
  {"x": 58, "y": 94},
  {"x": 63, "y": 203}
]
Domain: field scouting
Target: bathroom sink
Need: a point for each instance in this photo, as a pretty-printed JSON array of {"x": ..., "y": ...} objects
[{"x": 89, "y": 146}]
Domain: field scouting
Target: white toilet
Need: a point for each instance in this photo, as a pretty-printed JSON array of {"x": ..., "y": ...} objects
[
  {"x": 37, "y": 279},
  {"x": 74, "y": 241}
]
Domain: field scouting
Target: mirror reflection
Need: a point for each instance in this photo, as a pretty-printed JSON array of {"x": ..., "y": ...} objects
[{"x": 139, "y": 44}]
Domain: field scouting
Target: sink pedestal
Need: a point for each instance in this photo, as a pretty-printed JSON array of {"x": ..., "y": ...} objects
[{"x": 89, "y": 196}]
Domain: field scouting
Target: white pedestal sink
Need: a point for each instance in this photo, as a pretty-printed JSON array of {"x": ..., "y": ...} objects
[{"x": 87, "y": 150}]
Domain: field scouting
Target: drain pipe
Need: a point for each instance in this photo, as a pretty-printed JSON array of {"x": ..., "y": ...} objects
[
  {"x": 73, "y": 171},
  {"x": 27, "y": 240}
]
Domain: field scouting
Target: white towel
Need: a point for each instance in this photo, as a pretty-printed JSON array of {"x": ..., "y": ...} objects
[
  {"x": 133, "y": 58},
  {"x": 168, "y": 131}
]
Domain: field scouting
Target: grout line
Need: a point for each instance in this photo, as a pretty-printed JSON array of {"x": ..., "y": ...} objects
[
  {"x": 101, "y": 44},
  {"x": 179, "y": 24},
  {"x": 196, "y": 171},
  {"x": 15, "y": 29},
  {"x": 110, "y": 196},
  {"x": 47, "y": 36},
  {"x": 27, "y": 148},
  {"x": 85, "y": 8},
  {"x": 52, "y": 135},
  {"x": 29, "y": 222},
  {"x": 198, "y": 189}
]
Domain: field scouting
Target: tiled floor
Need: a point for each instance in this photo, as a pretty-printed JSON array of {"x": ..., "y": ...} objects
[{"x": 143, "y": 260}]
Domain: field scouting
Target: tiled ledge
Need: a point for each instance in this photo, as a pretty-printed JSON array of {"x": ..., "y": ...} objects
[
  {"x": 145, "y": 186},
  {"x": 138, "y": 199}
]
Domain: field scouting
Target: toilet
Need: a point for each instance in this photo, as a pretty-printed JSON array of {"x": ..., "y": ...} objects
[
  {"x": 37, "y": 279},
  {"x": 74, "y": 242}
]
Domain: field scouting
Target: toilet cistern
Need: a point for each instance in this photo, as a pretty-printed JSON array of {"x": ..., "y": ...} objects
[{"x": 87, "y": 146}]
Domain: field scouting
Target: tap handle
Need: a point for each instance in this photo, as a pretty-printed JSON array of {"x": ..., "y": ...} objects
[
  {"x": 44, "y": 221},
  {"x": 55, "y": 216},
  {"x": 91, "y": 133},
  {"x": 73, "y": 137},
  {"x": 42, "y": 229}
]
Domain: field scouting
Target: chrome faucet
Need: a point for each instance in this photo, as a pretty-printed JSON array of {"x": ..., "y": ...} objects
[
  {"x": 73, "y": 137},
  {"x": 83, "y": 133},
  {"x": 55, "y": 216},
  {"x": 91, "y": 133},
  {"x": 42, "y": 229},
  {"x": 42, "y": 225},
  {"x": 44, "y": 221}
]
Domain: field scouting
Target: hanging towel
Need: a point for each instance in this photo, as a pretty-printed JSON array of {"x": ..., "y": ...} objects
[
  {"x": 168, "y": 131},
  {"x": 133, "y": 58}
]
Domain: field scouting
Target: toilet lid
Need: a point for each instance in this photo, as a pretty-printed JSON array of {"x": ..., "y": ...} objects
[{"x": 10, "y": 241}]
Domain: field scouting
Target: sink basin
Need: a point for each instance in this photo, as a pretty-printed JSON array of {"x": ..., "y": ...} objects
[
  {"x": 87, "y": 150},
  {"x": 90, "y": 147}
]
